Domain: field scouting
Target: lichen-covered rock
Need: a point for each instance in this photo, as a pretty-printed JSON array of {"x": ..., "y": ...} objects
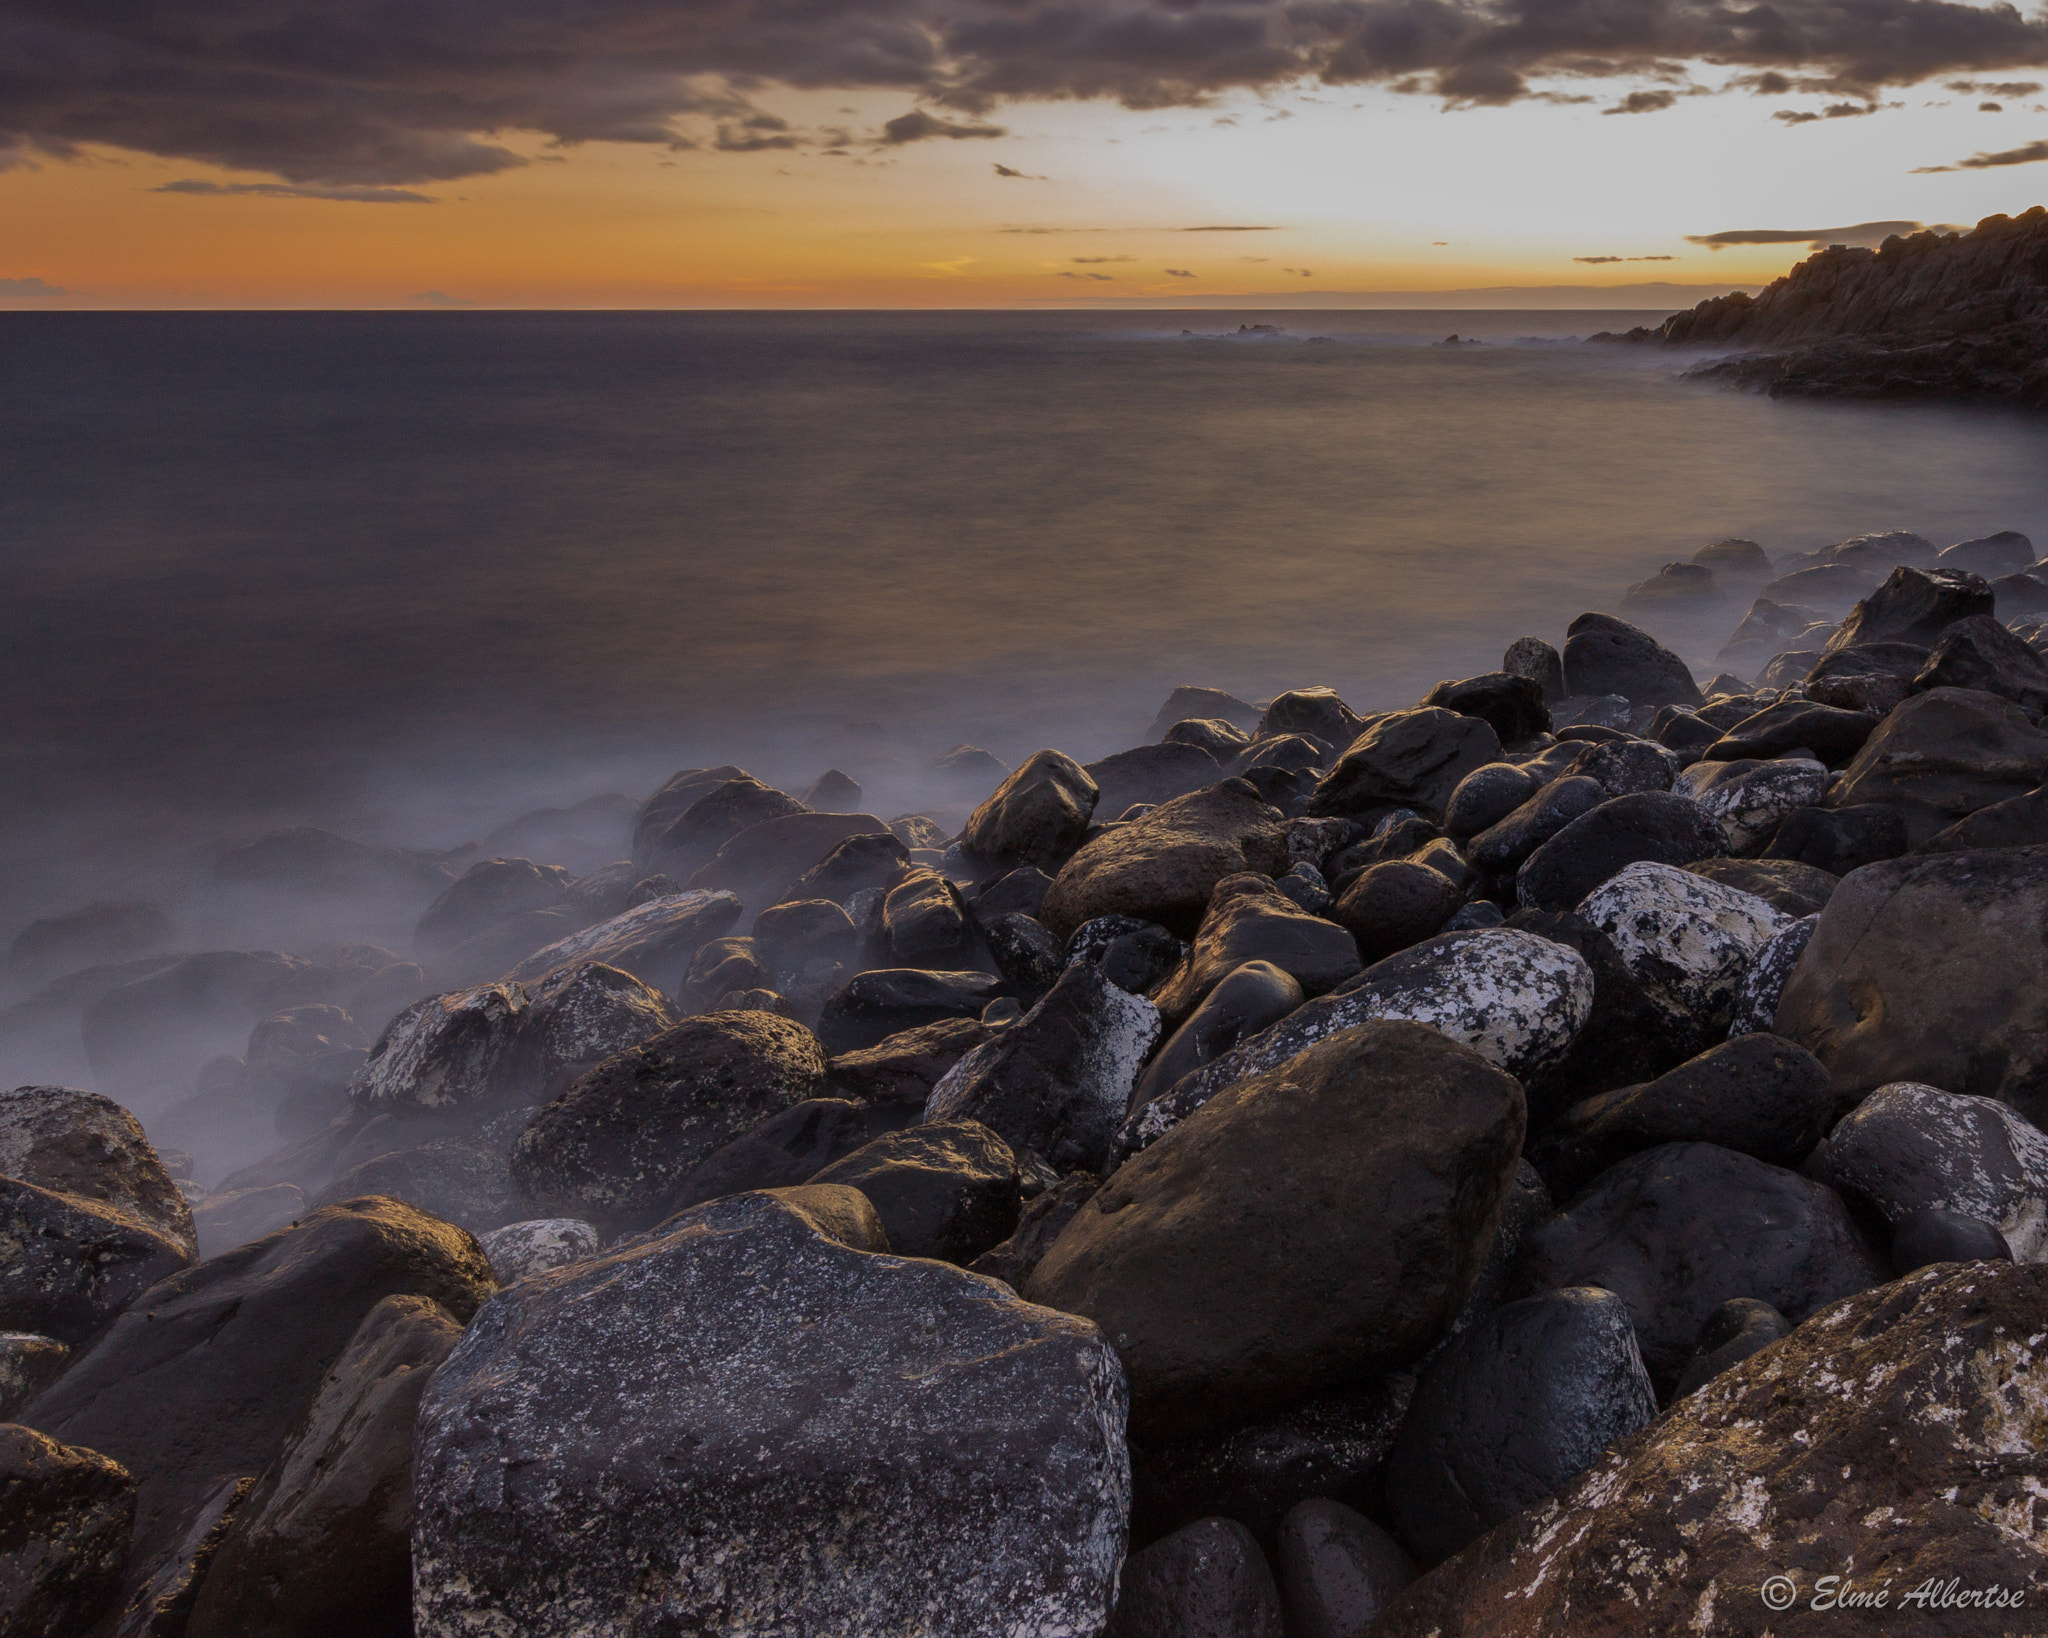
[
  {"x": 1688, "y": 941},
  {"x": 1413, "y": 759},
  {"x": 1059, "y": 1080},
  {"x": 83, "y": 1144},
  {"x": 1515, "y": 998},
  {"x": 65, "y": 1518},
  {"x": 1751, "y": 798},
  {"x": 465, "y": 1049},
  {"x": 537, "y": 1245},
  {"x": 582, "y": 1014},
  {"x": 69, "y": 1265},
  {"x": 741, "y": 1423},
  {"x": 1305, "y": 1227},
  {"x": 1038, "y": 815},
  {"x": 1889, "y": 1442},
  {"x": 1908, "y": 1148},
  {"x": 652, "y": 941},
  {"x": 1757, "y": 996}
]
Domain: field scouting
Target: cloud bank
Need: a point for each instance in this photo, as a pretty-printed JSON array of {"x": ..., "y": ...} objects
[
  {"x": 2033, "y": 153},
  {"x": 1867, "y": 235},
  {"x": 31, "y": 289},
  {"x": 330, "y": 93}
]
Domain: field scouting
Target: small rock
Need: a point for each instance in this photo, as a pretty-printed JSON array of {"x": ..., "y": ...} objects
[
  {"x": 1206, "y": 1580},
  {"x": 1740, "y": 1327},
  {"x": 537, "y": 1245},
  {"x": 761, "y": 864},
  {"x": 1535, "y": 659},
  {"x": 947, "y": 1189},
  {"x": 1946, "y": 1237},
  {"x": 1338, "y": 1570},
  {"x": 871, "y": 861},
  {"x": 1485, "y": 796}
]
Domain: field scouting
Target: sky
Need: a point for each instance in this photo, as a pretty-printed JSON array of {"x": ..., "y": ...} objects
[{"x": 988, "y": 153}]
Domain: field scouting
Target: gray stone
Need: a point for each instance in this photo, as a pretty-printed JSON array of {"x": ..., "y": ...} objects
[
  {"x": 28, "y": 1364},
  {"x": 1206, "y": 1580},
  {"x": 1751, "y": 798},
  {"x": 458, "y": 1178},
  {"x": 1038, "y": 815},
  {"x": 538, "y": 1245},
  {"x": 65, "y": 1518},
  {"x": 69, "y": 1265},
  {"x": 459, "y": 1051},
  {"x": 653, "y": 941},
  {"x": 1412, "y": 759},
  {"x": 1603, "y": 655},
  {"x": 1689, "y": 941},
  {"x": 947, "y": 1189},
  {"x": 582, "y": 1014},
  {"x": 83, "y": 1144}
]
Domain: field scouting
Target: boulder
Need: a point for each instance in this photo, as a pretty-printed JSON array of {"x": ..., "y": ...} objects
[
  {"x": 199, "y": 1384},
  {"x": 234, "y": 1217},
  {"x": 487, "y": 893},
  {"x": 65, "y": 1518},
  {"x": 465, "y": 1050},
  {"x": 1059, "y": 1080},
  {"x": 537, "y": 1245},
  {"x": 1149, "y": 775},
  {"x": 1485, "y": 796},
  {"x": 1931, "y": 970},
  {"x": 1389, "y": 907},
  {"x": 925, "y": 923},
  {"x": 1830, "y": 587},
  {"x": 652, "y": 941},
  {"x": 171, "y": 1019},
  {"x": 1739, "y": 562},
  {"x": 1511, "y": 1411},
  {"x": 902, "y": 1069},
  {"x": 1839, "y": 840},
  {"x": 1757, "y": 996},
  {"x": 1250, "y": 918},
  {"x": 1015, "y": 892},
  {"x": 716, "y": 812},
  {"x": 1946, "y": 1237},
  {"x": 832, "y": 792},
  {"x": 614, "y": 1147},
  {"x": 28, "y": 1364},
  {"x": 1535, "y": 659},
  {"x": 1163, "y": 867},
  {"x": 82, "y": 1144},
  {"x": 1786, "y": 885},
  {"x": 1338, "y": 1570},
  {"x": 1222, "y": 740},
  {"x": 70, "y": 1265},
  {"x": 1824, "y": 732},
  {"x": 2005, "y": 552},
  {"x": 460, "y": 1179},
  {"x": 760, "y": 864},
  {"x": 947, "y": 1189},
  {"x": 1756, "y": 1094},
  {"x": 1413, "y": 759},
  {"x": 1188, "y": 701},
  {"x": 1740, "y": 1327},
  {"x": 872, "y": 860},
  {"x": 1650, "y": 827},
  {"x": 323, "y": 1542},
  {"x": 1135, "y": 956},
  {"x": 1512, "y": 706},
  {"x": 1603, "y": 655},
  {"x": 1750, "y": 797},
  {"x": 1688, "y": 940},
  {"x": 1505, "y": 843},
  {"x": 1914, "y": 606},
  {"x": 1517, "y": 998},
  {"x": 1248, "y": 999},
  {"x": 51, "y": 946},
  {"x": 1790, "y": 1469},
  {"x": 1677, "y": 1230},
  {"x": 1909, "y": 1149},
  {"x": 1314, "y": 711},
  {"x": 2018, "y": 821},
  {"x": 833, "y": 1442},
  {"x": 787, "y": 1149},
  {"x": 1225, "y": 1295},
  {"x": 875, "y": 1006},
  {"x": 1980, "y": 653},
  {"x": 672, "y": 801},
  {"x": 1037, "y": 816},
  {"x": 1040, "y": 1221},
  {"x": 1624, "y": 766},
  {"x": 580, "y": 1015},
  {"x": 722, "y": 965},
  {"x": 1206, "y": 1580}
]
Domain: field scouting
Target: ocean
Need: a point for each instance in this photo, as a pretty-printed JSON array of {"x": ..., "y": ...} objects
[{"x": 407, "y": 575}]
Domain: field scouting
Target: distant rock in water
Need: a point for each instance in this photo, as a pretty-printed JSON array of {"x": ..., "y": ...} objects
[{"x": 1930, "y": 315}]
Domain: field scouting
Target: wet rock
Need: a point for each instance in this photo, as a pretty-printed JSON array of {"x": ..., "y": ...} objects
[
  {"x": 1413, "y": 759},
  {"x": 653, "y": 941},
  {"x": 1391, "y": 906},
  {"x": 787, "y": 1149},
  {"x": 1225, "y": 1296},
  {"x": 1222, "y": 740},
  {"x": 323, "y": 1542},
  {"x": 1650, "y": 827},
  {"x": 1821, "y": 731},
  {"x": 463, "y": 1050},
  {"x": 1251, "y": 919},
  {"x": 1509, "y": 704},
  {"x": 1793, "y": 1463},
  {"x": 1740, "y": 1327},
  {"x": 1914, "y": 606},
  {"x": 2002, "y": 553},
  {"x": 794, "y": 934},
  {"x": 1037, "y": 816},
  {"x": 926, "y": 923},
  {"x": 1289, "y": 761},
  {"x": 309, "y": 860},
  {"x": 1980, "y": 653},
  {"x": 832, "y": 792},
  {"x": 1946, "y": 1237},
  {"x": 1685, "y": 732},
  {"x": 1751, "y": 798},
  {"x": 1040, "y": 1221},
  {"x": 81, "y": 1144},
  {"x": 902, "y": 1069},
  {"x": 1757, "y": 996},
  {"x": 2018, "y": 821},
  {"x": 100, "y": 933},
  {"x": 1206, "y": 1580},
  {"x": 28, "y": 1364},
  {"x": 66, "y": 1514},
  {"x": 1624, "y": 766},
  {"x": 1025, "y": 953},
  {"x": 487, "y": 893},
  {"x": 614, "y": 1147},
  {"x": 538, "y": 1245},
  {"x": 947, "y": 1189},
  {"x": 1839, "y": 840},
  {"x": 1163, "y": 867},
  {"x": 462, "y": 1180},
  {"x": 1517, "y": 998},
  {"x": 1511, "y": 1411},
  {"x": 1015, "y": 892},
  {"x": 1150, "y": 774},
  {"x": 1756, "y": 1094},
  {"x": 959, "y": 1460},
  {"x": 1059, "y": 1081},
  {"x": 1688, "y": 940},
  {"x": 1307, "y": 888},
  {"x": 1187, "y": 701},
  {"x": 1245, "y": 1001},
  {"x": 1931, "y": 970},
  {"x": 1505, "y": 843},
  {"x": 762, "y": 863},
  {"x": 876, "y": 1005},
  {"x": 237, "y": 1216},
  {"x": 872, "y": 861},
  {"x": 1133, "y": 955},
  {"x": 1535, "y": 659},
  {"x": 1485, "y": 796},
  {"x": 672, "y": 801},
  {"x": 720, "y": 966},
  {"x": 1317, "y": 712},
  {"x": 234, "y": 1350},
  {"x": 1603, "y": 655},
  {"x": 69, "y": 1265},
  {"x": 581, "y": 1015},
  {"x": 1908, "y": 1149},
  {"x": 1784, "y": 884},
  {"x": 1831, "y": 587},
  {"x": 1678, "y": 1230},
  {"x": 716, "y": 813}
]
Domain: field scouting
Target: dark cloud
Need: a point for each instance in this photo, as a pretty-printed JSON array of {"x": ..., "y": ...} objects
[
  {"x": 1105, "y": 278},
  {"x": 1602, "y": 261},
  {"x": 381, "y": 92},
  {"x": 31, "y": 289},
  {"x": 280, "y": 190},
  {"x": 1644, "y": 102},
  {"x": 1096, "y": 260},
  {"x": 1835, "y": 110},
  {"x": 1179, "y": 273},
  {"x": 2032, "y": 154},
  {"x": 1021, "y": 176},
  {"x": 1996, "y": 88},
  {"x": 1227, "y": 230},
  {"x": 1866, "y": 234},
  {"x": 440, "y": 298}
]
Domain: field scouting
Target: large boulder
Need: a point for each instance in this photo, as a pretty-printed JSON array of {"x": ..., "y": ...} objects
[
  {"x": 652, "y": 941},
  {"x": 1163, "y": 867},
  {"x": 615, "y": 1146},
  {"x": 888, "y": 1001},
  {"x": 1511, "y": 705},
  {"x": 1931, "y": 970},
  {"x": 65, "y": 1519},
  {"x": 169, "y": 1020},
  {"x": 1678, "y": 1230},
  {"x": 580, "y": 1015},
  {"x": 323, "y": 1544},
  {"x": 947, "y": 1189},
  {"x": 1980, "y": 653},
  {"x": 199, "y": 1384},
  {"x": 1505, "y": 843},
  {"x": 488, "y": 892},
  {"x": 456, "y": 1177},
  {"x": 1338, "y": 1570},
  {"x": 1646, "y": 827},
  {"x": 804, "y": 1436},
  {"x": 69, "y": 1265},
  {"x": 760, "y": 864},
  {"x": 1751, "y": 797},
  {"x": 1603, "y": 655},
  {"x": 1307, "y": 1226},
  {"x": 1149, "y": 775},
  {"x": 1942, "y": 755},
  {"x": 1250, "y": 919},
  {"x": 1886, "y": 1444},
  {"x": 465, "y": 1050},
  {"x": 1413, "y": 759},
  {"x": 1914, "y": 606},
  {"x": 1689, "y": 941},
  {"x": 1037, "y": 816},
  {"x": 668, "y": 804},
  {"x": 83, "y": 1144}
]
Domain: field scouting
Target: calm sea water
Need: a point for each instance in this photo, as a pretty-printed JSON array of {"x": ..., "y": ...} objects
[{"x": 408, "y": 574}]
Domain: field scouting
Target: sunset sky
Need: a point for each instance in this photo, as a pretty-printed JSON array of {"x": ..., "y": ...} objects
[{"x": 1010, "y": 153}]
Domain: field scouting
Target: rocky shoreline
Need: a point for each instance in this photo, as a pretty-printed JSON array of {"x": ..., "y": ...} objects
[{"x": 1565, "y": 1157}]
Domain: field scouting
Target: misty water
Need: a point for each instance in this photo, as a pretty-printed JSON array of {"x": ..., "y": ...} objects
[{"x": 407, "y": 576}]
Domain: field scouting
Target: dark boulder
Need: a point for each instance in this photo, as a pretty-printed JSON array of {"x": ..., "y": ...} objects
[
  {"x": 1914, "y": 606},
  {"x": 66, "y": 1515},
  {"x": 1624, "y": 766},
  {"x": 1245, "y": 1001},
  {"x": 1133, "y": 955},
  {"x": 2004, "y": 552},
  {"x": 1037, "y": 816},
  {"x": 832, "y": 792},
  {"x": 787, "y": 1149},
  {"x": 875, "y": 1005},
  {"x": 1784, "y": 884},
  {"x": 487, "y": 893},
  {"x": 1040, "y": 1221},
  {"x": 2018, "y": 821},
  {"x": 79, "y": 1143},
  {"x": 1190, "y": 701},
  {"x": 655, "y": 941},
  {"x": 1338, "y": 1570},
  {"x": 1943, "y": 755},
  {"x": 1512, "y": 706},
  {"x": 924, "y": 923},
  {"x": 1603, "y": 655},
  {"x": 462, "y": 1180},
  {"x": 1226, "y": 1296},
  {"x": 717, "y": 813},
  {"x": 790, "y": 936},
  {"x": 901, "y": 1069},
  {"x": 947, "y": 1189},
  {"x": 465, "y": 1050},
  {"x": 1485, "y": 796},
  {"x": 1313, "y": 711},
  {"x": 720, "y": 966},
  {"x": 1413, "y": 759},
  {"x": 1649, "y": 827},
  {"x": 1678, "y": 1230},
  {"x": 1740, "y": 1327},
  {"x": 672, "y": 801},
  {"x": 1015, "y": 892},
  {"x": 1222, "y": 740},
  {"x": 1149, "y": 775},
  {"x": 1504, "y": 844},
  {"x": 1839, "y": 840},
  {"x": 1535, "y": 659},
  {"x": 1390, "y": 906},
  {"x": 1980, "y": 653},
  {"x": 1834, "y": 736},
  {"x": 69, "y": 1265},
  {"x": 762, "y": 863},
  {"x": 1206, "y": 1580},
  {"x": 872, "y": 860},
  {"x": 1251, "y": 919},
  {"x": 1946, "y": 1237},
  {"x": 234, "y": 1217}
]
